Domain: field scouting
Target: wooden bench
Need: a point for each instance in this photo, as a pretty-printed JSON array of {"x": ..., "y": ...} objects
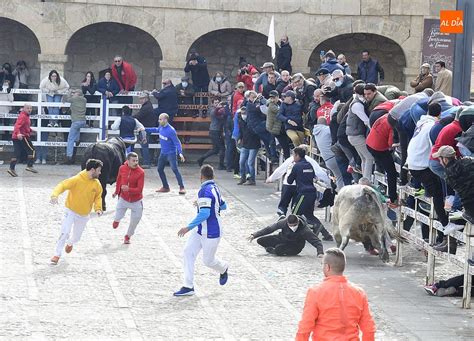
[
  {"x": 202, "y": 133},
  {"x": 201, "y": 146},
  {"x": 192, "y": 119}
]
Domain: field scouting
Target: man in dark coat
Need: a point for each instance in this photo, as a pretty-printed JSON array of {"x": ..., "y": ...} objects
[
  {"x": 294, "y": 232},
  {"x": 149, "y": 119},
  {"x": 167, "y": 100},
  {"x": 331, "y": 63},
  {"x": 369, "y": 70},
  {"x": 284, "y": 55},
  {"x": 197, "y": 65}
]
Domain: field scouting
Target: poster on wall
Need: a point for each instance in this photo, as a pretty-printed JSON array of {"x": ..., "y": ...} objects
[{"x": 437, "y": 45}]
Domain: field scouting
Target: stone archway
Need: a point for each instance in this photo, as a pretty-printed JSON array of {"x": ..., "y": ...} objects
[
  {"x": 223, "y": 49},
  {"x": 18, "y": 42},
  {"x": 385, "y": 50},
  {"x": 92, "y": 48}
]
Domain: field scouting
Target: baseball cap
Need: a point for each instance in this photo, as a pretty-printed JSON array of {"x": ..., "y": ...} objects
[
  {"x": 274, "y": 93},
  {"x": 240, "y": 85},
  {"x": 445, "y": 151},
  {"x": 290, "y": 93},
  {"x": 322, "y": 71},
  {"x": 268, "y": 64},
  {"x": 426, "y": 65}
]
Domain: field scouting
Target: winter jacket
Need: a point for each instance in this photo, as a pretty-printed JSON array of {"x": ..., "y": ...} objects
[
  {"x": 246, "y": 79},
  {"x": 108, "y": 85},
  {"x": 90, "y": 89},
  {"x": 127, "y": 79},
  {"x": 419, "y": 148},
  {"x": 347, "y": 69},
  {"x": 390, "y": 91},
  {"x": 222, "y": 89},
  {"x": 52, "y": 88},
  {"x": 291, "y": 112},
  {"x": 467, "y": 139},
  {"x": 447, "y": 137},
  {"x": 267, "y": 88},
  {"x": 422, "y": 82},
  {"x": 217, "y": 122},
  {"x": 305, "y": 94},
  {"x": 370, "y": 71},
  {"x": 167, "y": 100},
  {"x": 332, "y": 65},
  {"x": 188, "y": 94},
  {"x": 302, "y": 233},
  {"x": 263, "y": 80},
  {"x": 344, "y": 92},
  {"x": 199, "y": 72},
  {"x": 273, "y": 124},
  {"x": 444, "y": 82},
  {"x": 380, "y": 137},
  {"x": 281, "y": 84},
  {"x": 460, "y": 177},
  {"x": 378, "y": 99},
  {"x": 304, "y": 175},
  {"x": 22, "y": 126},
  {"x": 146, "y": 116},
  {"x": 322, "y": 136},
  {"x": 78, "y": 107},
  {"x": 249, "y": 140},
  {"x": 254, "y": 114},
  {"x": 134, "y": 178},
  {"x": 405, "y": 104},
  {"x": 283, "y": 57}
]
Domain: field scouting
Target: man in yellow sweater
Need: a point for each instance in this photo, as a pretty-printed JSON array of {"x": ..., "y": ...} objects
[{"x": 84, "y": 191}]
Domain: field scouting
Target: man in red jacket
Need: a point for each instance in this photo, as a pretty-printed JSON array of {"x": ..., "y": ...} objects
[
  {"x": 129, "y": 188},
  {"x": 124, "y": 74},
  {"x": 21, "y": 141}
]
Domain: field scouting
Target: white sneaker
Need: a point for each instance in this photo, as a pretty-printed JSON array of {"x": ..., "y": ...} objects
[
  {"x": 56, "y": 125},
  {"x": 37, "y": 162},
  {"x": 451, "y": 228},
  {"x": 43, "y": 162},
  {"x": 50, "y": 125}
]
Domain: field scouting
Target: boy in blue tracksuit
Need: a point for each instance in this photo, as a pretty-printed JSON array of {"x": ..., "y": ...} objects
[
  {"x": 207, "y": 234},
  {"x": 170, "y": 146}
]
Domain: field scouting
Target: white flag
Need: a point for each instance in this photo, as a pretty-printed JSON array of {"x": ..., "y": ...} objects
[{"x": 271, "y": 37}]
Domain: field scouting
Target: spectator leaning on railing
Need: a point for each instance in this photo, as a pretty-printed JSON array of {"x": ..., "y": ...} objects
[{"x": 78, "y": 121}]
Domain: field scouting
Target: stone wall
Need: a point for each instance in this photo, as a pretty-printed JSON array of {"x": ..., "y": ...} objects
[
  {"x": 223, "y": 49},
  {"x": 94, "y": 47},
  {"x": 17, "y": 42},
  {"x": 386, "y": 51}
]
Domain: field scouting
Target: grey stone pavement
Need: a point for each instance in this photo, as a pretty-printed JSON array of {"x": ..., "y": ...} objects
[{"x": 107, "y": 290}]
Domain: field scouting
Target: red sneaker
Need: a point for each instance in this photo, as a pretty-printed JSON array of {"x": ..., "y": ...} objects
[
  {"x": 68, "y": 248},
  {"x": 126, "y": 239},
  {"x": 54, "y": 260},
  {"x": 162, "y": 190},
  {"x": 115, "y": 224}
]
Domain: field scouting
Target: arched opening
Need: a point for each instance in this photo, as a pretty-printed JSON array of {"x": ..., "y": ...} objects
[
  {"x": 93, "y": 48},
  {"x": 18, "y": 42},
  {"x": 223, "y": 49},
  {"x": 389, "y": 54}
]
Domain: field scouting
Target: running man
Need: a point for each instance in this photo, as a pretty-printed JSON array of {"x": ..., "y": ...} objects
[
  {"x": 170, "y": 146},
  {"x": 21, "y": 141},
  {"x": 207, "y": 235},
  {"x": 129, "y": 188},
  {"x": 85, "y": 191}
]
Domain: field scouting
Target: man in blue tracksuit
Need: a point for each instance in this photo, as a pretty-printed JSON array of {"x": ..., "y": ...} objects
[
  {"x": 207, "y": 234},
  {"x": 304, "y": 175},
  {"x": 170, "y": 146}
]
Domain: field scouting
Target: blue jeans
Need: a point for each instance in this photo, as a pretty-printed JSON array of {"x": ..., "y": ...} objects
[
  {"x": 229, "y": 146},
  {"x": 247, "y": 163},
  {"x": 42, "y": 151},
  {"x": 145, "y": 150},
  {"x": 171, "y": 158},
  {"x": 74, "y": 134},
  {"x": 55, "y": 110}
]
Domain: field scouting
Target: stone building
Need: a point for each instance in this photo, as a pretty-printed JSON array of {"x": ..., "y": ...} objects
[{"x": 75, "y": 36}]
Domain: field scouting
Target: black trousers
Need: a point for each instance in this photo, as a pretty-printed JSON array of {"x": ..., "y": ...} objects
[
  {"x": 282, "y": 247},
  {"x": 433, "y": 187},
  {"x": 284, "y": 142},
  {"x": 384, "y": 160},
  {"x": 457, "y": 282},
  {"x": 288, "y": 195},
  {"x": 22, "y": 146},
  {"x": 404, "y": 140},
  {"x": 304, "y": 205},
  {"x": 218, "y": 147}
]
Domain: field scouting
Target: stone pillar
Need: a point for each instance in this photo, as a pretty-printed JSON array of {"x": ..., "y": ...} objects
[
  {"x": 50, "y": 62},
  {"x": 172, "y": 69},
  {"x": 410, "y": 74}
]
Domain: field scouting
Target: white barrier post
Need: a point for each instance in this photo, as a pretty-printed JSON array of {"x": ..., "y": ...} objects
[
  {"x": 104, "y": 117},
  {"x": 466, "y": 301}
]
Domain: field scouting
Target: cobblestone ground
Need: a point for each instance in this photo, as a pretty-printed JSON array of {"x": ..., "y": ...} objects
[{"x": 107, "y": 290}]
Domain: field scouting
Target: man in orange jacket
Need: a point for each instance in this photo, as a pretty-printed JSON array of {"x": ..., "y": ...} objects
[
  {"x": 129, "y": 188},
  {"x": 336, "y": 309}
]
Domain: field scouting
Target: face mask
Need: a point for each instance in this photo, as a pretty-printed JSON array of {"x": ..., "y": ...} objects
[
  {"x": 254, "y": 79},
  {"x": 293, "y": 228},
  {"x": 244, "y": 117},
  {"x": 218, "y": 79},
  {"x": 184, "y": 84},
  {"x": 338, "y": 83}
]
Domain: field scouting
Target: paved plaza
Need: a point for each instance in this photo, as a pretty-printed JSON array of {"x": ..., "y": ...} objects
[{"x": 107, "y": 290}]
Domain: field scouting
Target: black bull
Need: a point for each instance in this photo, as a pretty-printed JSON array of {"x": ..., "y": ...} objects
[{"x": 112, "y": 154}]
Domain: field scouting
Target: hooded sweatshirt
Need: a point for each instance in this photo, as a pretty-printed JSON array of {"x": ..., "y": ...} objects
[
  {"x": 134, "y": 178},
  {"x": 322, "y": 135},
  {"x": 419, "y": 148}
]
